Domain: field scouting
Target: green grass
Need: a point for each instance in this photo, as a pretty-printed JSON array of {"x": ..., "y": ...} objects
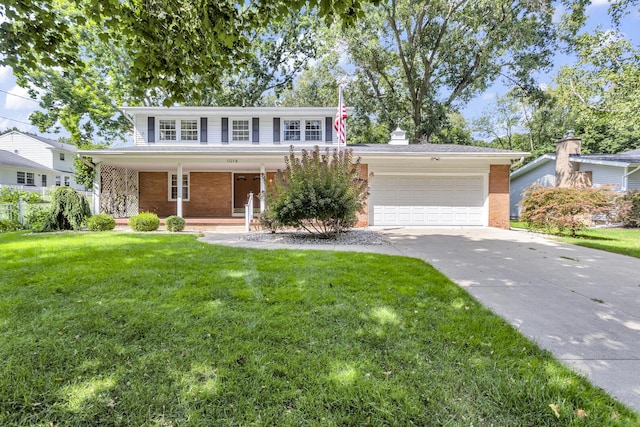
[
  {"x": 625, "y": 241},
  {"x": 161, "y": 330}
]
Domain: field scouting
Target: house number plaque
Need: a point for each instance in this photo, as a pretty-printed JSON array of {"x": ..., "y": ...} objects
[{"x": 232, "y": 160}]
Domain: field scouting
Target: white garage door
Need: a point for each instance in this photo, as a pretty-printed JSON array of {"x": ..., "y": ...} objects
[{"x": 412, "y": 200}]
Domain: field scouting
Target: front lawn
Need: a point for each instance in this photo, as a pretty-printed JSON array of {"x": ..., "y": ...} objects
[
  {"x": 162, "y": 330},
  {"x": 625, "y": 241}
]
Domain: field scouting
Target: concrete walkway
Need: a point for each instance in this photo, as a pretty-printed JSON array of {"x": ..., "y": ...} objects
[{"x": 581, "y": 304}]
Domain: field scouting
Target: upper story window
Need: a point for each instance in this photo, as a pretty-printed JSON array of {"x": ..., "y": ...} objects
[
  {"x": 313, "y": 130},
  {"x": 188, "y": 130},
  {"x": 167, "y": 130},
  {"x": 292, "y": 130},
  {"x": 240, "y": 130},
  {"x": 303, "y": 130},
  {"x": 61, "y": 156},
  {"x": 174, "y": 130}
]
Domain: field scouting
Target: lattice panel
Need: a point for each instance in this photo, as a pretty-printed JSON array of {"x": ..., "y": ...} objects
[{"x": 118, "y": 191}]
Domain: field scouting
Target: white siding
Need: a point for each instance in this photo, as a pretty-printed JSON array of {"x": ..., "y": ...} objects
[
  {"x": 27, "y": 147},
  {"x": 604, "y": 175},
  {"x": 214, "y": 128},
  {"x": 544, "y": 175},
  {"x": 140, "y": 130},
  {"x": 634, "y": 181}
]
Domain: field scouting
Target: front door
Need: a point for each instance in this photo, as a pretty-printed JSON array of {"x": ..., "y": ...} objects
[{"x": 243, "y": 184}]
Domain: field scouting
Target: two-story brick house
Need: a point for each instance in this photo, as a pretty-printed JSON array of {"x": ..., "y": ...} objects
[{"x": 201, "y": 162}]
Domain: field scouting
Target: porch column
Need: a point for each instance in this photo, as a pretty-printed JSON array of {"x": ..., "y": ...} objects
[
  {"x": 179, "y": 196},
  {"x": 97, "y": 183},
  {"x": 263, "y": 188}
]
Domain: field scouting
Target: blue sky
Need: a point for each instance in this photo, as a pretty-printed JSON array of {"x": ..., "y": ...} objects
[{"x": 15, "y": 104}]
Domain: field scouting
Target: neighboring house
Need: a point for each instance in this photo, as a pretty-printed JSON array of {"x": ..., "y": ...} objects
[
  {"x": 567, "y": 167},
  {"x": 201, "y": 162},
  {"x": 50, "y": 163}
]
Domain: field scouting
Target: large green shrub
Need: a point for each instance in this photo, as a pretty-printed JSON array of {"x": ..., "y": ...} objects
[
  {"x": 560, "y": 209},
  {"x": 69, "y": 209},
  {"x": 145, "y": 221},
  {"x": 174, "y": 223},
  {"x": 321, "y": 193},
  {"x": 38, "y": 218},
  {"x": 7, "y": 225},
  {"x": 101, "y": 222},
  {"x": 631, "y": 215}
]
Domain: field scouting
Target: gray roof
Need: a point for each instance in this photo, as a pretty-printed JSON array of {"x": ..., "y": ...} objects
[
  {"x": 632, "y": 156},
  {"x": 56, "y": 144},
  {"x": 8, "y": 158}
]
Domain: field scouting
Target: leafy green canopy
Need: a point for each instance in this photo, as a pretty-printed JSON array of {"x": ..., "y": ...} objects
[
  {"x": 320, "y": 193},
  {"x": 171, "y": 44}
]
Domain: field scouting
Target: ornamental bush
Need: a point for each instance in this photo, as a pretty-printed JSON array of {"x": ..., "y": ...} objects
[
  {"x": 174, "y": 223},
  {"x": 7, "y": 225},
  {"x": 560, "y": 209},
  {"x": 321, "y": 193},
  {"x": 631, "y": 216},
  {"x": 38, "y": 218},
  {"x": 145, "y": 221},
  {"x": 69, "y": 209},
  {"x": 101, "y": 222}
]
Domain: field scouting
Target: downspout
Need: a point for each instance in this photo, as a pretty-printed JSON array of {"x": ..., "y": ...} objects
[{"x": 625, "y": 178}]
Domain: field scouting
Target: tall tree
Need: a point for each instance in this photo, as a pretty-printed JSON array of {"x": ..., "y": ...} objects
[
  {"x": 602, "y": 91},
  {"x": 422, "y": 59},
  {"x": 181, "y": 46}
]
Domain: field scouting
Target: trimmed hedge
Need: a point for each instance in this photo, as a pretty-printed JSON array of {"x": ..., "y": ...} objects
[
  {"x": 145, "y": 221},
  {"x": 101, "y": 222},
  {"x": 174, "y": 223}
]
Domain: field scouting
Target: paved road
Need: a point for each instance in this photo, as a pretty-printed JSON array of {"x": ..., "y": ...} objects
[{"x": 581, "y": 304}]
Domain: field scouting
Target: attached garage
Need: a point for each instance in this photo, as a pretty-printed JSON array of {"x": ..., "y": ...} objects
[{"x": 428, "y": 200}]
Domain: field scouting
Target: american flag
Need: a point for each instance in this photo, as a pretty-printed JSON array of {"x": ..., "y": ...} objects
[{"x": 339, "y": 125}]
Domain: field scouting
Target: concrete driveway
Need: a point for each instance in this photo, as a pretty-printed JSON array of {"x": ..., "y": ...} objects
[{"x": 581, "y": 304}]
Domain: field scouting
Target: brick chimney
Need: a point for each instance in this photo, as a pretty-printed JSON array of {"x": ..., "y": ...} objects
[{"x": 567, "y": 172}]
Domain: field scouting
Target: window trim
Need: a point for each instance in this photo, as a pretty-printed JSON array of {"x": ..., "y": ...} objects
[
  {"x": 303, "y": 130},
  {"x": 169, "y": 186},
  {"x": 249, "y": 130},
  {"x": 178, "y": 130}
]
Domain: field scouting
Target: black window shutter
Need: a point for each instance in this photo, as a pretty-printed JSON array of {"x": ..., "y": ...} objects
[
  {"x": 276, "y": 129},
  {"x": 151, "y": 129},
  {"x": 255, "y": 130},
  {"x": 203, "y": 130},
  {"x": 225, "y": 130},
  {"x": 328, "y": 129}
]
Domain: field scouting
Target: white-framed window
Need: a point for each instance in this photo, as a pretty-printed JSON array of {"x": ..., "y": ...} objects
[
  {"x": 67, "y": 181},
  {"x": 313, "y": 130},
  {"x": 44, "y": 180},
  {"x": 292, "y": 130},
  {"x": 178, "y": 130},
  {"x": 20, "y": 178},
  {"x": 58, "y": 181},
  {"x": 61, "y": 156},
  {"x": 240, "y": 130},
  {"x": 31, "y": 178},
  {"x": 173, "y": 186},
  {"x": 189, "y": 130}
]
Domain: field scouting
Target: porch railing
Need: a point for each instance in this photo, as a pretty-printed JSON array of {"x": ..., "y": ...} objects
[{"x": 248, "y": 212}]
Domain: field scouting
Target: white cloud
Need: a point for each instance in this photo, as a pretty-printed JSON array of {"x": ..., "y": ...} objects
[
  {"x": 488, "y": 96},
  {"x": 15, "y": 99},
  {"x": 596, "y": 3}
]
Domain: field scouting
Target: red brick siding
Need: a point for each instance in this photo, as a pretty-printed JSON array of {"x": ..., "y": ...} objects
[
  {"x": 363, "y": 218},
  {"x": 210, "y": 195},
  {"x": 499, "y": 196}
]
